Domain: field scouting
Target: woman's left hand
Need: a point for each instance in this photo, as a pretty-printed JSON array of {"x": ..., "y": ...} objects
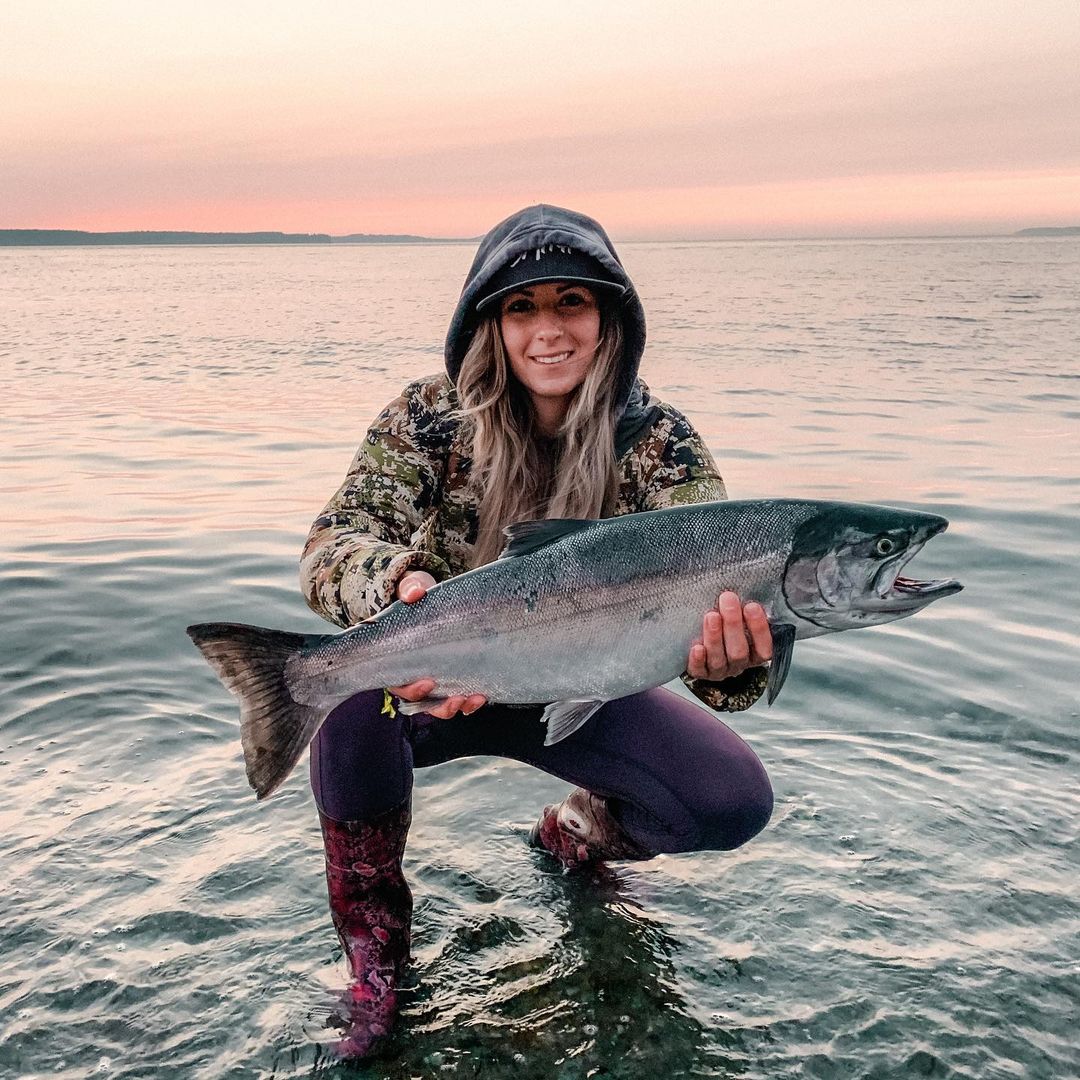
[{"x": 734, "y": 636}]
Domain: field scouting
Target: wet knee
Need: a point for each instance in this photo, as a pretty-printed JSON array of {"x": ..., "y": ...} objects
[
  {"x": 738, "y": 812},
  {"x": 752, "y": 814}
]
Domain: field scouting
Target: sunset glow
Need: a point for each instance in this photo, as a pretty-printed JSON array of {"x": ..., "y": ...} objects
[{"x": 734, "y": 119}]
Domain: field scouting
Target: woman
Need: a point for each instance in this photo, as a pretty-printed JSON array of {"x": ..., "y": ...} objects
[{"x": 540, "y": 414}]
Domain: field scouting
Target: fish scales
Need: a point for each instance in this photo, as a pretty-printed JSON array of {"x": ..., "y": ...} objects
[
  {"x": 577, "y": 613},
  {"x": 551, "y": 605}
]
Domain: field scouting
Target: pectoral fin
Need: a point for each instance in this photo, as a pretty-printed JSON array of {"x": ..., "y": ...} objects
[
  {"x": 565, "y": 717},
  {"x": 411, "y": 708},
  {"x": 783, "y": 644}
]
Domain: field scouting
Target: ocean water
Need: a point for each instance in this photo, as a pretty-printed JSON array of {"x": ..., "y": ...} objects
[{"x": 172, "y": 420}]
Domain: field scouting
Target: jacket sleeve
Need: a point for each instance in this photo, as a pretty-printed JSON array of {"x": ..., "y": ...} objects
[
  {"x": 678, "y": 467},
  {"x": 371, "y": 532},
  {"x": 681, "y": 470}
]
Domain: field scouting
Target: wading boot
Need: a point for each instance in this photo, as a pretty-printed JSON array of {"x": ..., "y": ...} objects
[
  {"x": 580, "y": 831},
  {"x": 371, "y": 906}
]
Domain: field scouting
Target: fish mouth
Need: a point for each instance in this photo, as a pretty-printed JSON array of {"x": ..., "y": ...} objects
[
  {"x": 897, "y": 594},
  {"x": 920, "y": 592}
]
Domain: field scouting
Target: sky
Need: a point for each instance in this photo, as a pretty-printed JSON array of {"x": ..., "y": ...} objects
[{"x": 709, "y": 120}]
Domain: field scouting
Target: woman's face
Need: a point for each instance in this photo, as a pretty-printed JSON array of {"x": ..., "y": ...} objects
[{"x": 550, "y": 333}]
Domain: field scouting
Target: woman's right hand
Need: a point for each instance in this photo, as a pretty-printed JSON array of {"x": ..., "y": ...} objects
[{"x": 411, "y": 588}]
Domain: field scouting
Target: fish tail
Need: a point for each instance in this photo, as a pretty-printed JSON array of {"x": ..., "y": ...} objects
[{"x": 275, "y": 729}]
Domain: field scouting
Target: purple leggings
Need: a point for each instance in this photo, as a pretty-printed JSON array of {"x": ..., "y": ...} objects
[{"x": 676, "y": 778}]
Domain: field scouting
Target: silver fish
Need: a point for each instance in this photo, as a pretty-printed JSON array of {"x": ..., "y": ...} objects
[{"x": 580, "y": 612}]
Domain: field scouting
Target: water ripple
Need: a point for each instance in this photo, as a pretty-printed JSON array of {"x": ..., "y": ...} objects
[{"x": 911, "y": 909}]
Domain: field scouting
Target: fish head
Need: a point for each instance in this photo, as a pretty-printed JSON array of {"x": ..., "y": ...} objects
[{"x": 844, "y": 570}]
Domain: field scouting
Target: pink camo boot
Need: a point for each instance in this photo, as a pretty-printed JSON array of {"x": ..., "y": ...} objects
[
  {"x": 371, "y": 906},
  {"x": 580, "y": 831}
]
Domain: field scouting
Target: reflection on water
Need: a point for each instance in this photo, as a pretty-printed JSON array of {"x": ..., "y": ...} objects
[
  {"x": 542, "y": 971},
  {"x": 172, "y": 421}
]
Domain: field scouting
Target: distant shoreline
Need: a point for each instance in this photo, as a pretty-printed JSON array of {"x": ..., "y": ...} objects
[
  {"x": 1051, "y": 230},
  {"x": 165, "y": 237},
  {"x": 147, "y": 237}
]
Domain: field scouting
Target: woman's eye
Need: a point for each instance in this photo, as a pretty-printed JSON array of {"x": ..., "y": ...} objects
[
  {"x": 572, "y": 300},
  {"x": 518, "y": 307},
  {"x": 884, "y": 546}
]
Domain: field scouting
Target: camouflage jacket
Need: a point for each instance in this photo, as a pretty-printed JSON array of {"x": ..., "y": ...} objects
[{"x": 407, "y": 504}]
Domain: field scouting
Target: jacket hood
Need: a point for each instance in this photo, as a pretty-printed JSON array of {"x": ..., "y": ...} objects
[{"x": 536, "y": 227}]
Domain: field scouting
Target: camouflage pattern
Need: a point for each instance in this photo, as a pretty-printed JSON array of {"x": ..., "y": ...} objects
[{"x": 407, "y": 504}]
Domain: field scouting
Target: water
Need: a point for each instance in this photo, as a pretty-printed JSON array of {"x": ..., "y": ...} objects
[{"x": 172, "y": 420}]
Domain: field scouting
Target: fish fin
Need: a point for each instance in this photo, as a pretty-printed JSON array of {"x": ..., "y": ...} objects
[
  {"x": 563, "y": 718},
  {"x": 411, "y": 708},
  {"x": 275, "y": 729},
  {"x": 525, "y": 536},
  {"x": 783, "y": 644}
]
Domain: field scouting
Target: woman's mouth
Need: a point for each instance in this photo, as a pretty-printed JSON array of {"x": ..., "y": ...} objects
[{"x": 553, "y": 358}]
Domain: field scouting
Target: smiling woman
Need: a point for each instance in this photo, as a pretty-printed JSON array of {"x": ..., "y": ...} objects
[
  {"x": 540, "y": 414},
  {"x": 544, "y": 356},
  {"x": 551, "y": 333}
]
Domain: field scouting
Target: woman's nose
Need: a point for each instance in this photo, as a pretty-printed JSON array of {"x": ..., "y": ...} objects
[{"x": 548, "y": 324}]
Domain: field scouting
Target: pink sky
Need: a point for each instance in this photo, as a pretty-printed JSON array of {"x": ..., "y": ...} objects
[{"x": 722, "y": 119}]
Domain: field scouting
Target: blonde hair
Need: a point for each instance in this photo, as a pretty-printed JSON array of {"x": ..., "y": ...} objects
[{"x": 518, "y": 473}]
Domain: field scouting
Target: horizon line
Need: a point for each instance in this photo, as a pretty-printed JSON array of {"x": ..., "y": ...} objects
[{"x": 300, "y": 238}]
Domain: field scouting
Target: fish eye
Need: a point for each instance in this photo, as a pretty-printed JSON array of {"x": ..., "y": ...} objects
[{"x": 884, "y": 545}]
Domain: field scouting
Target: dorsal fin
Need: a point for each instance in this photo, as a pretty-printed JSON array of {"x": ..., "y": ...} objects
[{"x": 525, "y": 536}]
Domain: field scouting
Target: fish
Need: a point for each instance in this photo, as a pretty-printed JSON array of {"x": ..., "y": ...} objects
[{"x": 576, "y": 612}]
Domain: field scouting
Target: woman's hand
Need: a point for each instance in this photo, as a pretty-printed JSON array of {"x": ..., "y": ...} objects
[
  {"x": 412, "y": 587},
  {"x": 734, "y": 637}
]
